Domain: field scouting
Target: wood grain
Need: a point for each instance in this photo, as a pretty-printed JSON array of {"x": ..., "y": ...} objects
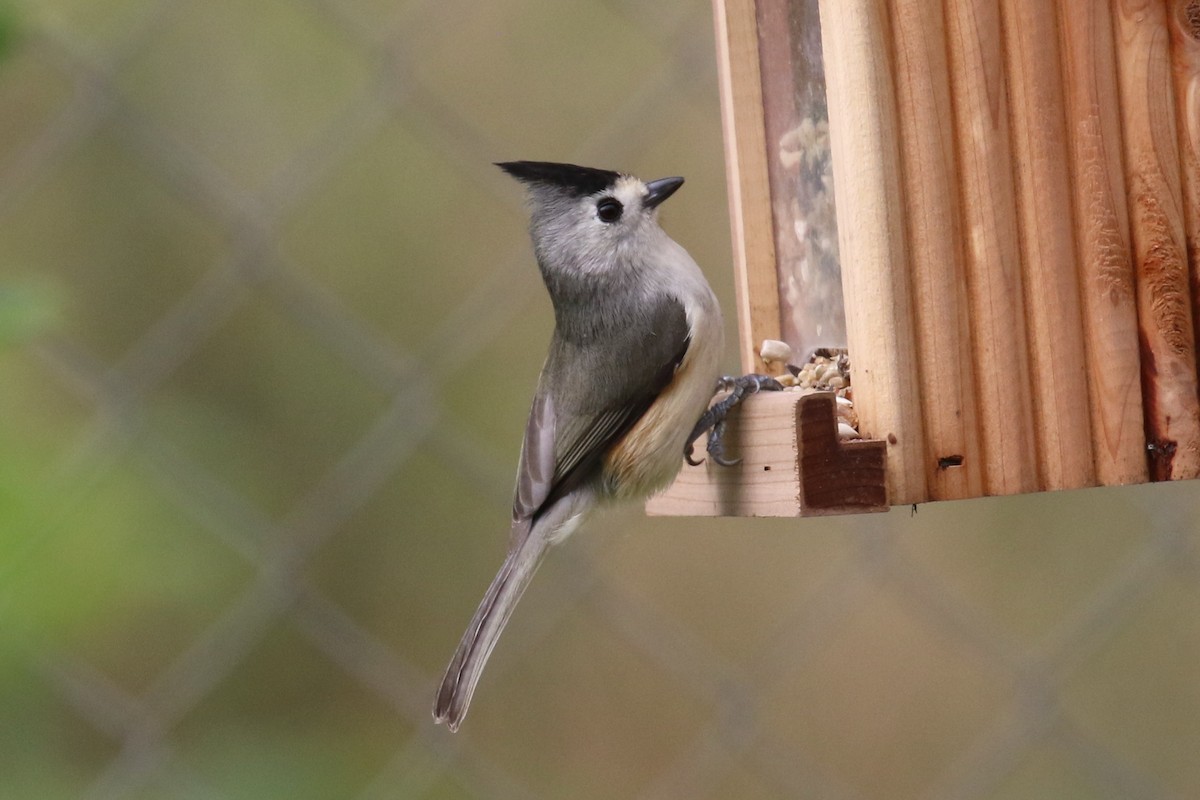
[
  {"x": 1153, "y": 170},
  {"x": 740, "y": 81},
  {"x": 1185, "y": 55},
  {"x": 871, "y": 236},
  {"x": 1051, "y": 285},
  {"x": 992, "y": 246},
  {"x": 792, "y": 465},
  {"x": 935, "y": 247},
  {"x": 1106, "y": 271}
]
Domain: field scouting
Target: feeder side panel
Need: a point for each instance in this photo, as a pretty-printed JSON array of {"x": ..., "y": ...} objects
[
  {"x": 1106, "y": 272},
  {"x": 746, "y": 173},
  {"x": 1185, "y": 53},
  {"x": 953, "y": 468},
  {"x": 870, "y": 215},
  {"x": 1062, "y": 423},
  {"x": 993, "y": 260},
  {"x": 1155, "y": 190}
]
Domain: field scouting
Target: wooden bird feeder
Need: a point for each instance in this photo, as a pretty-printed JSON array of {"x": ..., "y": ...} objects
[{"x": 994, "y": 205}]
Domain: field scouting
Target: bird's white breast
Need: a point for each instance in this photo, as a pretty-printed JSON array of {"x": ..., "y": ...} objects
[{"x": 647, "y": 459}]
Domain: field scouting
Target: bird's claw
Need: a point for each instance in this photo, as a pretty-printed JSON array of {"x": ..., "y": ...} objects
[
  {"x": 716, "y": 446},
  {"x": 713, "y": 420}
]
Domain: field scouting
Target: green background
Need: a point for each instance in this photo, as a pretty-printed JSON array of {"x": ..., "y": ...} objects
[{"x": 269, "y": 324}]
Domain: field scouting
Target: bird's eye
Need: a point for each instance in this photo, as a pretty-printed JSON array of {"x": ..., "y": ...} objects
[{"x": 609, "y": 209}]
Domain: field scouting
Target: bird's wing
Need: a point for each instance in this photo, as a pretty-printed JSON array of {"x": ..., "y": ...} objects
[
  {"x": 535, "y": 473},
  {"x": 600, "y": 390}
]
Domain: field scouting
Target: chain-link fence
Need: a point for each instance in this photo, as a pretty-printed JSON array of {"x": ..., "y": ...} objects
[{"x": 269, "y": 328}]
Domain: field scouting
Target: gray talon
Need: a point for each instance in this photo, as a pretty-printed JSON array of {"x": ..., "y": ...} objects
[
  {"x": 716, "y": 446},
  {"x": 713, "y": 420}
]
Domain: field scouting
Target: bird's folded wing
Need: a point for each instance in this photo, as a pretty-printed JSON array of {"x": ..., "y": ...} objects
[{"x": 603, "y": 389}]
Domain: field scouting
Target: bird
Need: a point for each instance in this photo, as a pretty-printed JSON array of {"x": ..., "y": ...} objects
[{"x": 632, "y": 365}]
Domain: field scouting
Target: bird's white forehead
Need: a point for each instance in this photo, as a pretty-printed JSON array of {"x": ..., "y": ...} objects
[{"x": 628, "y": 189}]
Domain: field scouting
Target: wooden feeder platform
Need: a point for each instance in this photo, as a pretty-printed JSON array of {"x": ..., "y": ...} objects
[
  {"x": 792, "y": 463},
  {"x": 1015, "y": 239}
]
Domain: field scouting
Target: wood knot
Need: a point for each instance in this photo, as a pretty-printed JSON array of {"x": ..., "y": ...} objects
[{"x": 1162, "y": 454}]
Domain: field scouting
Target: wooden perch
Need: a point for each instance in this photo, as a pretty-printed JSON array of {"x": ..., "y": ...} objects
[{"x": 793, "y": 464}]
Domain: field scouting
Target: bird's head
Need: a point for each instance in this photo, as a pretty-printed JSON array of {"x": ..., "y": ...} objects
[{"x": 590, "y": 220}]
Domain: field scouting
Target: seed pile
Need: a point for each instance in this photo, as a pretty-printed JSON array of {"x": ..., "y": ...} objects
[{"x": 826, "y": 370}]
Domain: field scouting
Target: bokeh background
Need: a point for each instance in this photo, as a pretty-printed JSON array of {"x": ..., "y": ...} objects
[{"x": 269, "y": 324}]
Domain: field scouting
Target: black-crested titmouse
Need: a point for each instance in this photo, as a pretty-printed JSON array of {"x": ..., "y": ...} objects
[{"x": 632, "y": 366}]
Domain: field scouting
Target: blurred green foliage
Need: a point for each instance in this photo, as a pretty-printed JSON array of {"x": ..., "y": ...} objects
[
  {"x": 27, "y": 308},
  {"x": 9, "y": 29}
]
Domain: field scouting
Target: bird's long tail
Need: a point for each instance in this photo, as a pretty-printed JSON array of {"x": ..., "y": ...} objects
[{"x": 462, "y": 675}]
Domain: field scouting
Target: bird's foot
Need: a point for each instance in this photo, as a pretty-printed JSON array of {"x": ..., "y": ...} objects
[{"x": 713, "y": 420}]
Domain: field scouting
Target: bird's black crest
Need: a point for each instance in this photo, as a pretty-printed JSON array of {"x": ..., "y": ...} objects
[{"x": 574, "y": 179}]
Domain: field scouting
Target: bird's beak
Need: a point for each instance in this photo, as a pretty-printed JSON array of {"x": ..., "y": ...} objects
[{"x": 659, "y": 190}]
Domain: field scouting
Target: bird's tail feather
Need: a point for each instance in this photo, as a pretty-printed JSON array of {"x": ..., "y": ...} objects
[{"x": 497, "y": 606}]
